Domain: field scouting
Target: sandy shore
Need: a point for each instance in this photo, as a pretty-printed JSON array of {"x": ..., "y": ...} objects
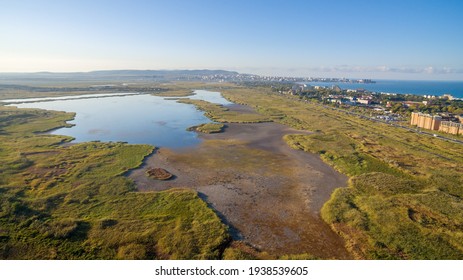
[{"x": 269, "y": 194}]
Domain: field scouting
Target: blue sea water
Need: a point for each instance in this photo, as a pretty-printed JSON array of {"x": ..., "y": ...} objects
[{"x": 436, "y": 88}]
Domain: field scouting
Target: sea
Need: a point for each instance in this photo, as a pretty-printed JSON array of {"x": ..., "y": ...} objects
[{"x": 436, "y": 88}]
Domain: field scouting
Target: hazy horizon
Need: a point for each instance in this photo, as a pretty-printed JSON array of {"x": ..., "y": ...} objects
[
  {"x": 217, "y": 69},
  {"x": 406, "y": 40}
]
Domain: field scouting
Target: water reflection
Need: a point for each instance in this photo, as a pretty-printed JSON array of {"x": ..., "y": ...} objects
[
  {"x": 210, "y": 96},
  {"x": 137, "y": 119}
]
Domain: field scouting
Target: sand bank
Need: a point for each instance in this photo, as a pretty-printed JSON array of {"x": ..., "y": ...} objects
[{"x": 268, "y": 193}]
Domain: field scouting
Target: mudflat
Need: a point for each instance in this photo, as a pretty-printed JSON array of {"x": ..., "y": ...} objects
[{"x": 269, "y": 194}]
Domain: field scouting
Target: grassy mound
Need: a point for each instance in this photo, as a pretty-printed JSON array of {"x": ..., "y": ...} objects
[
  {"x": 159, "y": 174},
  {"x": 208, "y": 128}
]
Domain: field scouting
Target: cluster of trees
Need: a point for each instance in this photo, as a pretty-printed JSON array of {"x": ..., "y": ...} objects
[
  {"x": 433, "y": 107},
  {"x": 443, "y": 105},
  {"x": 397, "y": 101}
]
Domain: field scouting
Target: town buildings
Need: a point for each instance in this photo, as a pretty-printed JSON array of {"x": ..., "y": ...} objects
[
  {"x": 426, "y": 121},
  {"x": 451, "y": 128},
  {"x": 436, "y": 122}
]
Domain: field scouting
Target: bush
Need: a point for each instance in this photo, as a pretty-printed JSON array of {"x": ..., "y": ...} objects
[
  {"x": 61, "y": 228},
  {"x": 381, "y": 183},
  {"x": 131, "y": 252}
]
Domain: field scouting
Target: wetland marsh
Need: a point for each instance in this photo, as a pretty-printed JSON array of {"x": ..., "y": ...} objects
[
  {"x": 282, "y": 178},
  {"x": 268, "y": 194}
]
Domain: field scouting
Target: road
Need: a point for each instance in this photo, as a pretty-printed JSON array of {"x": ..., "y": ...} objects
[
  {"x": 397, "y": 125},
  {"x": 393, "y": 124}
]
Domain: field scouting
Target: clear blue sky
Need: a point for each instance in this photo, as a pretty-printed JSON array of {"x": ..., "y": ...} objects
[{"x": 371, "y": 39}]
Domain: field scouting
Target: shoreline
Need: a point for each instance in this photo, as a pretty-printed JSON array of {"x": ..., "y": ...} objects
[
  {"x": 403, "y": 87},
  {"x": 269, "y": 194}
]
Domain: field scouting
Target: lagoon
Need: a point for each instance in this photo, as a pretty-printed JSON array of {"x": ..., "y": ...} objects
[
  {"x": 95, "y": 95},
  {"x": 135, "y": 118}
]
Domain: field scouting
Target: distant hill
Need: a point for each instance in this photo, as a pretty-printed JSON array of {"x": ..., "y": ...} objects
[
  {"x": 110, "y": 75},
  {"x": 161, "y": 72}
]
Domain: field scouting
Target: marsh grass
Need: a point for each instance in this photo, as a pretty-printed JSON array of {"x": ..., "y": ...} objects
[
  {"x": 73, "y": 202},
  {"x": 175, "y": 93},
  {"x": 221, "y": 114},
  {"x": 208, "y": 128},
  {"x": 404, "y": 199}
]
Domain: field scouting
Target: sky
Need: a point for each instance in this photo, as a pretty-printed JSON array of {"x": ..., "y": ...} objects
[{"x": 421, "y": 40}]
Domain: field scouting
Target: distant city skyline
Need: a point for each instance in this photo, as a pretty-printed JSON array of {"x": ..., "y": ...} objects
[{"x": 419, "y": 40}]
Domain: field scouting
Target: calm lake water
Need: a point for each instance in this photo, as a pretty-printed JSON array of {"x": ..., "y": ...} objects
[
  {"x": 25, "y": 100},
  {"x": 135, "y": 118}
]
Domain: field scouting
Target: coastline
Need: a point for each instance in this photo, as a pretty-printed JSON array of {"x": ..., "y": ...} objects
[{"x": 414, "y": 87}]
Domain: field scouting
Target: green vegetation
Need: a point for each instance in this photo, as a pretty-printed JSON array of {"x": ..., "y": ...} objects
[
  {"x": 396, "y": 101},
  {"x": 175, "y": 93},
  {"x": 73, "y": 202},
  {"x": 405, "y": 195},
  {"x": 208, "y": 128},
  {"x": 442, "y": 105},
  {"x": 241, "y": 251},
  {"x": 404, "y": 199},
  {"x": 219, "y": 113},
  {"x": 44, "y": 89}
]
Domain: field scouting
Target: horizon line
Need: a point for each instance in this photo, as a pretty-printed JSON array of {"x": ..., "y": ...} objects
[{"x": 222, "y": 69}]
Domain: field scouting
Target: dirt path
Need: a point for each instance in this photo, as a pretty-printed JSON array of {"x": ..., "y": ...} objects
[{"x": 268, "y": 193}]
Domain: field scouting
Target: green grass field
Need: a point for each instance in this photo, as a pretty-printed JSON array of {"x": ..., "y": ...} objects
[
  {"x": 404, "y": 199},
  {"x": 73, "y": 202},
  {"x": 219, "y": 113},
  {"x": 208, "y": 128}
]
